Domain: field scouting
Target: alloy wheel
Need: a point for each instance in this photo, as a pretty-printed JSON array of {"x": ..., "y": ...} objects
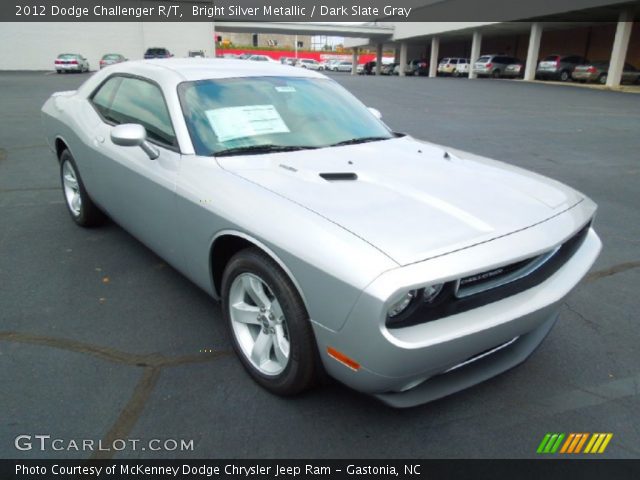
[
  {"x": 71, "y": 189},
  {"x": 259, "y": 324}
]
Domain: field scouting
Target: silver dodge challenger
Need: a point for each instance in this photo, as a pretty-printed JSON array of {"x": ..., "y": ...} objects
[{"x": 404, "y": 269}]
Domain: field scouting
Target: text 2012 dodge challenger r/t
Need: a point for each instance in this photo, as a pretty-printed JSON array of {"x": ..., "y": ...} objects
[{"x": 402, "y": 268}]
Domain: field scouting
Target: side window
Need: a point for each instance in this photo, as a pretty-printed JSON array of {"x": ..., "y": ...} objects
[
  {"x": 138, "y": 101},
  {"x": 104, "y": 96}
]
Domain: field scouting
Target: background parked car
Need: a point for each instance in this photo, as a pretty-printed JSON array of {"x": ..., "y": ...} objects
[
  {"x": 157, "y": 52},
  {"x": 71, "y": 62},
  {"x": 559, "y": 67},
  {"x": 515, "y": 70},
  {"x": 260, "y": 58},
  {"x": 309, "y": 63},
  {"x": 288, "y": 61},
  {"x": 493, "y": 65},
  {"x": 414, "y": 67},
  {"x": 387, "y": 68},
  {"x": 111, "y": 59},
  {"x": 598, "y": 71},
  {"x": 332, "y": 64},
  {"x": 368, "y": 68},
  {"x": 454, "y": 66},
  {"x": 343, "y": 67},
  {"x": 195, "y": 54},
  {"x": 244, "y": 56}
]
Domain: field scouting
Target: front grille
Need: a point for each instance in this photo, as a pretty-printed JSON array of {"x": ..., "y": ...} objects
[
  {"x": 481, "y": 282},
  {"x": 493, "y": 285}
]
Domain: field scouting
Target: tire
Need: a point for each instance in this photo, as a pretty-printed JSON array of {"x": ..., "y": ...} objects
[
  {"x": 252, "y": 279},
  {"x": 58, "y": 71},
  {"x": 495, "y": 74},
  {"x": 565, "y": 76},
  {"x": 602, "y": 79},
  {"x": 456, "y": 73},
  {"x": 80, "y": 206}
]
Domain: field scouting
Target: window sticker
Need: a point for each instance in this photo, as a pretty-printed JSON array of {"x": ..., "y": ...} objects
[
  {"x": 285, "y": 89},
  {"x": 230, "y": 123}
]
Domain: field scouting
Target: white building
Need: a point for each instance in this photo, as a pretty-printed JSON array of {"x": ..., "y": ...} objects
[{"x": 35, "y": 45}]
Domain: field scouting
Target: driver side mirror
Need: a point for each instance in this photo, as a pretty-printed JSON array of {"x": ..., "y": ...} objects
[
  {"x": 133, "y": 135},
  {"x": 376, "y": 113}
]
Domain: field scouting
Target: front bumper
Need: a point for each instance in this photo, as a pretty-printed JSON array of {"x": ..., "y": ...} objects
[{"x": 406, "y": 367}]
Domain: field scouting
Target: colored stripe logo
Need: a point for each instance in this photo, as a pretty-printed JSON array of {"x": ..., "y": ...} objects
[{"x": 574, "y": 442}]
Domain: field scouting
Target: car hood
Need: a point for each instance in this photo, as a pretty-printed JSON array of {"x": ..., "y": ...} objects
[{"x": 410, "y": 199}]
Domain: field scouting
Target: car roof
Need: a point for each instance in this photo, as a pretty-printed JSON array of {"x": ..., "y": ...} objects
[{"x": 169, "y": 72}]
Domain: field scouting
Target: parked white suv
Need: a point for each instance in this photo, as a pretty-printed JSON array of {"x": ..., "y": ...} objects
[{"x": 454, "y": 66}]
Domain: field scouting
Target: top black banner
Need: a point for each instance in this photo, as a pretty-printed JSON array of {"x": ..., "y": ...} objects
[{"x": 312, "y": 10}]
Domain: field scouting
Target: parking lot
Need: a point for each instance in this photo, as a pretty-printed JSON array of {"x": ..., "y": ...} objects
[{"x": 100, "y": 339}]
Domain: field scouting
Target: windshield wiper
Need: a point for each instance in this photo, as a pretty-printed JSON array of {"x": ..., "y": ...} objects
[
  {"x": 354, "y": 141},
  {"x": 258, "y": 149}
]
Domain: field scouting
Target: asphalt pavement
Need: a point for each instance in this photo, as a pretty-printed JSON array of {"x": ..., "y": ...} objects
[{"x": 100, "y": 339}]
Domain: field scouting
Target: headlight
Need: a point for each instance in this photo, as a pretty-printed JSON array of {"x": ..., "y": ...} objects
[
  {"x": 421, "y": 305},
  {"x": 402, "y": 304},
  {"x": 430, "y": 293}
]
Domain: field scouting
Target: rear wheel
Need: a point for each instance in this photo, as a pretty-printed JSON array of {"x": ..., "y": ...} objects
[
  {"x": 82, "y": 210},
  {"x": 602, "y": 79},
  {"x": 269, "y": 324},
  {"x": 495, "y": 73},
  {"x": 564, "y": 76}
]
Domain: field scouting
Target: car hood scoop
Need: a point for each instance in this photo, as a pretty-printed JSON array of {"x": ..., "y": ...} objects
[
  {"x": 340, "y": 176},
  {"x": 406, "y": 197}
]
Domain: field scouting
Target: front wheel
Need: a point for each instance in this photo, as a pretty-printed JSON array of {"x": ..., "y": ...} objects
[
  {"x": 82, "y": 210},
  {"x": 269, "y": 324},
  {"x": 564, "y": 76},
  {"x": 602, "y": 79}
]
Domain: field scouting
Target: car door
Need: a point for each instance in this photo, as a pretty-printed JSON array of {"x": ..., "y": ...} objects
[{"x": 136, "y": 191}]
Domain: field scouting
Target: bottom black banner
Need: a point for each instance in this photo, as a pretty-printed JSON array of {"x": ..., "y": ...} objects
[{"x": 327, "y": 469}]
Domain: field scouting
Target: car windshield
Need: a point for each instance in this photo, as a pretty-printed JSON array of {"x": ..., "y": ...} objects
[
  {"x": 244, "y": 114},
  {"x": 68, "y": 56},
  {"x": 111, "y": 57},
  {"x": 483, "y": 60},
  {"x": 157, "y": 51}
]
